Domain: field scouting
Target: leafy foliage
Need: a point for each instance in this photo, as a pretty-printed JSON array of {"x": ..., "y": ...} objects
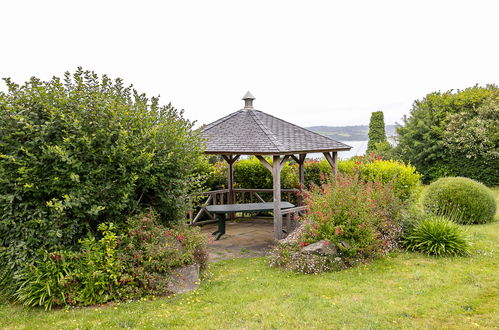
[
  {"x": 250, "y": 173},
  {"x": 87, "y": 277},
  {"x": 361, "y": 220},
  {"x": 453, "y": 134},
  {"x": 85, "y": 150},
  {"x": 438, "y": 236},
  {"x": 365, "y": 215},
  {"x": 377, "y": 132},
  {"x": 148, "y": 253},
  {"x": 114, "y": 267},
  {"x": 462, "y": 199}
]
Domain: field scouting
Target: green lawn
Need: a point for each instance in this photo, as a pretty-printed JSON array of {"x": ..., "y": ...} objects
[{"x": 400, "y": 291}]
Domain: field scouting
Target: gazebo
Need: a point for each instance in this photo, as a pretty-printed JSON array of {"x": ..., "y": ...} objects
[{"x": 253, "y": 132}]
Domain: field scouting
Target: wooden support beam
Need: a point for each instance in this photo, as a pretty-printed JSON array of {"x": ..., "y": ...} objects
[
  {"x": 332, "y": 159},
  {"x": 265, "y": 163},
  {"x": 284, "y": 159},
  {"x": 230, "y": 158}
]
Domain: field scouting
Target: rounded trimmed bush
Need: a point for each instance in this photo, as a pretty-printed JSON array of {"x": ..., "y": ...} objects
[
  {"x": 438, "y": 236},
  {"x": 461, "y": 199}
]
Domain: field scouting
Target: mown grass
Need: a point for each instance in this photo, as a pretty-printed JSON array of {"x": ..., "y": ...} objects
[{"x": 403, "y": 290}]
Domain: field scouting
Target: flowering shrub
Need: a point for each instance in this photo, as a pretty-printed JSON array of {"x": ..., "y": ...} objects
[
  {"x": 114, "y": 267},
  {"x": 89, "y": 276},
  {"x": 361, "y": 220},
  {"x": 149, "y": 252}
]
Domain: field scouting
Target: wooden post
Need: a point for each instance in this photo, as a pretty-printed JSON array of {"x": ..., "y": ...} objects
[
  {"x": 332, "y": 159},
  {"x": 300, "y": 160},
  {"x": 230, "y": 182},
  {"x": 301, "y": 172},
  {"x": 276, "y": 174},
  {"x": 335, "y": 162},
  {"x": 230, "y": 159},
  {"x": 301, "y": 168}
]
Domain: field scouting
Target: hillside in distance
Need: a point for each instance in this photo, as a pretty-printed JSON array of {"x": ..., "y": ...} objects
[{"x": 350, "y": 133}]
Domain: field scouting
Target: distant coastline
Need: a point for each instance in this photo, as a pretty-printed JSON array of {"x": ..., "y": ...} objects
[
  {"x": 354, "y": 136},
  {"x": 350, "y": 133}
]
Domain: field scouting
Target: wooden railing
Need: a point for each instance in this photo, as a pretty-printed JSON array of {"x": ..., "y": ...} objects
[{"x": 220, "y": 197}]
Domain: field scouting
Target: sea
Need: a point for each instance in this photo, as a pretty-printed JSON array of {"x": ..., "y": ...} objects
[{"x": 358, "y": 149}]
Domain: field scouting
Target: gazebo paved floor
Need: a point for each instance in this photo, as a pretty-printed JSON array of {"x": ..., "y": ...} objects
[{"x": 243, "y": 238}]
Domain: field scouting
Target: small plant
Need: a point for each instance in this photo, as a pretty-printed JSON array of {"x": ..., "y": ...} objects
[
  {"x": 438, "y": 236},
  {"x": 464, "y": 200},
  {"x": 89, "y": 276}
]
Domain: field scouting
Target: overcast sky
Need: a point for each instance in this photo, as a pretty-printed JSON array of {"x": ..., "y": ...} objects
[{"x": 309, "y": 62}]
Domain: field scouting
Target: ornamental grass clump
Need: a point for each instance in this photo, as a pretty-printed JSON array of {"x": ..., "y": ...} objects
[
  {"x": 463, "y": 200},
  {"x": 438, "y": 236}
]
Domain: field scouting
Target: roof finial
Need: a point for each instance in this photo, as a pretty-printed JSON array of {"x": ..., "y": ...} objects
[{"x": 248, "y": 100}]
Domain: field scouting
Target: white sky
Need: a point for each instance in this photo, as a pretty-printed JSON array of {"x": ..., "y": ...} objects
[{"x": 308, "y": 62}]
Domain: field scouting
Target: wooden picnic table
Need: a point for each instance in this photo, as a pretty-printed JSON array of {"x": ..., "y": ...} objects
[{"x": 222, "y": 210}]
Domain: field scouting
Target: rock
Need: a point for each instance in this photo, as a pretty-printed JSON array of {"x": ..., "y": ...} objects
[
  {"x": 321, "y": 247},
  {"x": 294, "y": 236},
  {"x": 184, "y": 279}
]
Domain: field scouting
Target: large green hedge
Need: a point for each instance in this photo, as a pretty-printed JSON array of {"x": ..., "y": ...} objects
[
  {"x": 250, "y": 173},
  {"x": 85, "y": 150},
  {"x": 454, "y": 133}
]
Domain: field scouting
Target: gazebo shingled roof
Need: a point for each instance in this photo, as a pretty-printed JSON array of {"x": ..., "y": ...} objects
[{"x": 253, "y": 132}]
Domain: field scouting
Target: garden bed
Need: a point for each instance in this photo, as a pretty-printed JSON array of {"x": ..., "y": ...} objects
[{"x": 402, "y": 290}]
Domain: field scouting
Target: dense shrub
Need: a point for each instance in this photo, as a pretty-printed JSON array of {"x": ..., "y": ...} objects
[
  {"x": 114, "y": 267},
  {"x": 362, "y": 220},
  {"x": 437, "y": 236},
  {"x": 250, "y": 173},
  {"x": 463, "y": 199},
  {"x": 404, "y": 178},
  {"x": 149, "y": 252},
  {"x": 453, "y": 133},
  {"x": 82, "y": 151}
]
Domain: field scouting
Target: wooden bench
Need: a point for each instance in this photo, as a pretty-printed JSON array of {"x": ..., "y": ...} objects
[{"x": 222, "y": 210}]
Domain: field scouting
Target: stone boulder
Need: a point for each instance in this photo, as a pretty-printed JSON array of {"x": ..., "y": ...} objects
[
  {"x": 184, "y": 279},
  {"x": 322, "y": 247},
  {"x": 294, "y": 236}
]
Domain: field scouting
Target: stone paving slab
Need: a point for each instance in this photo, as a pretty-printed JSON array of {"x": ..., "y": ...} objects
[{"x": 244, "y": 238}]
